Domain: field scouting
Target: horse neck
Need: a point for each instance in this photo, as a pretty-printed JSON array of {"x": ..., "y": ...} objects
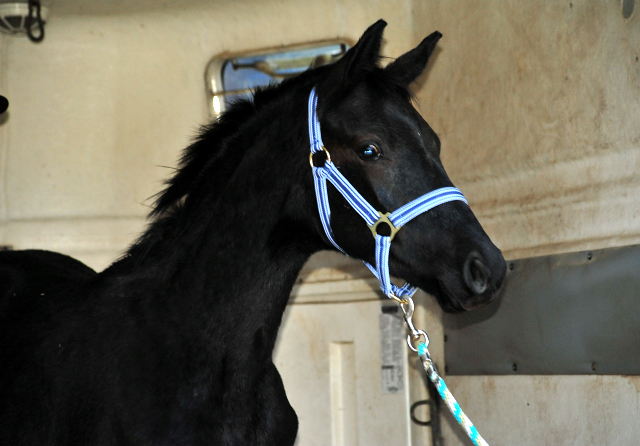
[{"x": 232, "y": 255}]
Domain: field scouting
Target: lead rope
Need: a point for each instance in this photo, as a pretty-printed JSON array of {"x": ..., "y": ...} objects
[
  {"x": 395, "y": 220},
  {"x": 422, "y": 350}
]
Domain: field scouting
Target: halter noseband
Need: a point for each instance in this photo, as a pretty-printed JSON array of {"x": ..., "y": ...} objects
[{"x": 371, "y": 216}]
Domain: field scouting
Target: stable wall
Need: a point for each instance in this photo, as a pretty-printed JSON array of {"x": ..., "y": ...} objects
[{"x": 537, "y": 105}]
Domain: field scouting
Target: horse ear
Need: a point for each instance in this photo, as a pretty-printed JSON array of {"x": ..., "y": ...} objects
[
  {"x": 406, "y": 68},
  {"x": 363, "y": 56}
]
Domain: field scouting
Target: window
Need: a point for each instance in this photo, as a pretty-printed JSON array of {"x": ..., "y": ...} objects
[{"x": 233, "y": 76}]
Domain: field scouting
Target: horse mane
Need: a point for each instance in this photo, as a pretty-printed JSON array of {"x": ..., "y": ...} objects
[
  {"x": 213, "y": 149},
  {"x": 208, "y": 148},
  {"x": 213, "y": 156},
  {"x": 217, "y": 150}
]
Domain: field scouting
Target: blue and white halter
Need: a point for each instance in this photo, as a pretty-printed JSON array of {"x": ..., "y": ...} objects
[
  {"x": 371, "y": 216},
  {"x": 395, "y": 220}
]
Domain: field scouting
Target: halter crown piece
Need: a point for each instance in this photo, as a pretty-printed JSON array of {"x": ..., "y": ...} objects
[{"x": 371, "y": 216}]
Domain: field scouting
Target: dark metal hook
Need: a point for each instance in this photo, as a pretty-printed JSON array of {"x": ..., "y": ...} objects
[
  {"x": 413, "y": 408},
  {"x": 34, "y": 17}
]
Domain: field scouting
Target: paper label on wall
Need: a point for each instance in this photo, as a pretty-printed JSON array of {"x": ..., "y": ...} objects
[{"x": 391, "y": 349}]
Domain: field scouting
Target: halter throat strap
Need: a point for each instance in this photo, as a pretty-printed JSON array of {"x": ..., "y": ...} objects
[{"x": 372, "y": 217}]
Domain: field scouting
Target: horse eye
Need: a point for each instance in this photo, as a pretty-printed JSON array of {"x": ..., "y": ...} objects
[{"x": 369, "y": 152}]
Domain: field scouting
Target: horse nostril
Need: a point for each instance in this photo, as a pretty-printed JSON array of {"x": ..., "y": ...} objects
[{"x": 476, "y": 274}]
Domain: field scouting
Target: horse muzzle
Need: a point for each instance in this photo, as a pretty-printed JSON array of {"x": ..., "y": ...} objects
[{"x": 483, "y": 278}]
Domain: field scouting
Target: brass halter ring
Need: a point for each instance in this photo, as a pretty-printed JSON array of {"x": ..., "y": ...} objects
[
  {"x": 313, "y": 153},
  {"x": 384, "y": 218}
]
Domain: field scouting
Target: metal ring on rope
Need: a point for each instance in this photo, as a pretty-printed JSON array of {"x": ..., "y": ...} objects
[
  {"x": 414, "y": 336},
  {"x": 326, "y": 154}
]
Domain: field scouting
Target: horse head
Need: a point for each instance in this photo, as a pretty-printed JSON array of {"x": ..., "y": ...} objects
[{"x": 387, "y": 151}]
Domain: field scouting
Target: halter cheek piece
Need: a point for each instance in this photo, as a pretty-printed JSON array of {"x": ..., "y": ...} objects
[{"x": 395, "y": 220}]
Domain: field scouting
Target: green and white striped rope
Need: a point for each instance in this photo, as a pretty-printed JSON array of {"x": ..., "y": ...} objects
[{"x": 447, "y": 397}]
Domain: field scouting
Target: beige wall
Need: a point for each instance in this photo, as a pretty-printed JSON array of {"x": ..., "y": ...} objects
[{"x": 538, "y": 108}]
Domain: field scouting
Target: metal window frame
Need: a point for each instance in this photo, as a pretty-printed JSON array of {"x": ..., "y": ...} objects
[{"x": 214, "y": 82}]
